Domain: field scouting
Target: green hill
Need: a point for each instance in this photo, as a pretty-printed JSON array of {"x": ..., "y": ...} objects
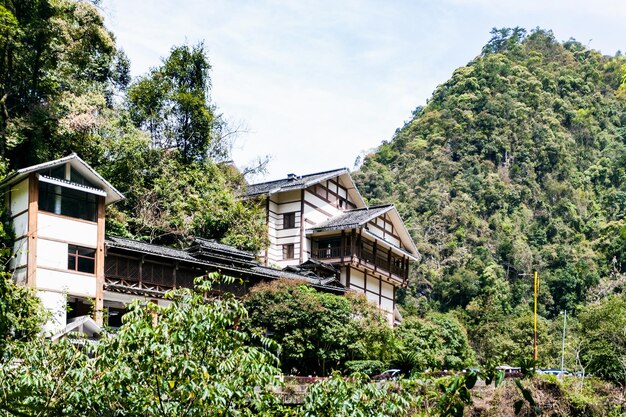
[{"x": 517, "y": 163}]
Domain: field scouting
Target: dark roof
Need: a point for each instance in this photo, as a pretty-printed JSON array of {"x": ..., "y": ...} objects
[
  {"x": 351, "y": 218},
  {"x": 292, "y": 182},
  {"x": 204, "y": 247},
  {"x": 233, "y": 265},
  {"x": 112, "y": 194}
]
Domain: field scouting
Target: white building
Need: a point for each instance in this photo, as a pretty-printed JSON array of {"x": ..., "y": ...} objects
[
  {"x": 322, "y": 218},
  {"x": 57, "y": 209}
]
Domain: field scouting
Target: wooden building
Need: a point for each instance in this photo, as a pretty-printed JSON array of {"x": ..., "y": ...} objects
[
  {"x": 322, "y": 217},
  {"x": 58, "y": 214},
  {"x": 57, "y": 210}
]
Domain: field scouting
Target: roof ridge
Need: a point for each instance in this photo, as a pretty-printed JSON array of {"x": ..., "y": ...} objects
[{"x": 299, "y": 177}]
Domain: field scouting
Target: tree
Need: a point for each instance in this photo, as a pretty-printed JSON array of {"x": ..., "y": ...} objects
[
  {"x": 437, "y": 342},
  {"x": 317, "y": 332},
  {"x": 604, "y": 340},
  {"x": 58, "y": 65},
  {"x": 188, "y": 358},
  {"x": 172, "y": 103}
]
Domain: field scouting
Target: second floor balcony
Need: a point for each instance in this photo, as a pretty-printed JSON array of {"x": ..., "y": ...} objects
[{"x": 374, "y": 255}]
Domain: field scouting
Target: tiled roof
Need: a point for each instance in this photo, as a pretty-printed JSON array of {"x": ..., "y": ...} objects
[
  {"x": 236, "y": 264},
  {"x": 112, "y": 194},
  {"x": 292, "y": 182},
  {"x": 351, "y": 218}
]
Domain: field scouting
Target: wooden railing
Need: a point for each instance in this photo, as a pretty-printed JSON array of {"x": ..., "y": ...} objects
[{"x": 367, "y": 253}]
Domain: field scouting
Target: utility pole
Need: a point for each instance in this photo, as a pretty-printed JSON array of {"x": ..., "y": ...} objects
[
  {"x": 536, "y": 355},
  {"x": 563, "y": 343}
]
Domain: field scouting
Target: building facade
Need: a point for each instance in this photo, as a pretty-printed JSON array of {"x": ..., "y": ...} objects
[
  {"x": 60, "y": 250},
  {"x": 322, "y": 218}
]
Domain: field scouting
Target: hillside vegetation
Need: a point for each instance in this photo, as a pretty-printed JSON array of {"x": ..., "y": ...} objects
[{"x": 517, "y": 163}]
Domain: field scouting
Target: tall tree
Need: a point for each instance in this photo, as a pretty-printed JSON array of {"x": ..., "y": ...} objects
[{"x": 173, "y": 104}]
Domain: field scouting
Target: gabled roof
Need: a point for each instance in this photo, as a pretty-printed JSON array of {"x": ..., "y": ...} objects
[
  {"x": 357, "y": 218},
  {"x": 295, "y": 182},
  {"x": 112, "y": 194},
  {"x": 83, "y": 325},
  {"x": 351, "y": 218}
]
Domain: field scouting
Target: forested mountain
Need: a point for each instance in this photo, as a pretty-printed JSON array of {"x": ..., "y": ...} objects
[{"x": 517, "y": 163}]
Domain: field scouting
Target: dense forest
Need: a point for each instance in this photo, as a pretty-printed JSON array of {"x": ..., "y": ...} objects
[{"x": 515, "y": 165}]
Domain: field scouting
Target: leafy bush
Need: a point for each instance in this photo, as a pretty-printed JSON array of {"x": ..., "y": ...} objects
[{"x": 367, "y": 367}]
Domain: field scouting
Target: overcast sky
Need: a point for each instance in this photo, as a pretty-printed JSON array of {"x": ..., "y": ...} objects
[{"x": 316, "y": 83}]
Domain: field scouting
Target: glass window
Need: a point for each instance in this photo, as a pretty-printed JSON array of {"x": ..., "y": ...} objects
[
  {"x": 67, "y": 201},
  {"x": 81, "y": 259},
  {"x": 288, "y": 252},
  {"x": 289, "y": 220}
]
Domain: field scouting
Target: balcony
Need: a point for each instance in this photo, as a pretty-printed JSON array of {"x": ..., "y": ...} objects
[{"x": 370, "y": 254}]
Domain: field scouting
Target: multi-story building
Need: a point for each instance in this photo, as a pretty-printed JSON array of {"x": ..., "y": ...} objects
[
  {"x": 57, "y": 210},
  {"x": 60, "y": 250},
  {"x": 322, "y": 218}
]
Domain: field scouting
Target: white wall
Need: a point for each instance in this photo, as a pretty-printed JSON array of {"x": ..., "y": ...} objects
[
  {"x": 78, "y": 232},
  {"x": 56, "y": 304},
  {"x": 51, "y": 254},
  {"x": 20, "y": 253},
  {"x": 20, "y": 224},
  {"x": 83, "y": 285},
  {"x": 19, "y": 197},
  {"x": 356, "y": 279}
]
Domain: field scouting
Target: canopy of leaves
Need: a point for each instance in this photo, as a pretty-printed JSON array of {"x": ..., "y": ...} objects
[
  {"x": 63, "y": 88},
  {"x": 437, "y": 342},
  {"x": 189, "y": 358},
  {"x": 317, "y": 332},
  {"x": 516, "y": 164}
]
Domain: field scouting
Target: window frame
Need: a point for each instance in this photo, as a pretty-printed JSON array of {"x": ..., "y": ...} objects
[
  {"x": 73, "y": 255},
  {"x": 289, "y": 224},
  {"x": 288, "y": 249}
]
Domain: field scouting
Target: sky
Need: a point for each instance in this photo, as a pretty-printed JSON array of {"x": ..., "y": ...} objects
[{"x": 315, "y": 84}]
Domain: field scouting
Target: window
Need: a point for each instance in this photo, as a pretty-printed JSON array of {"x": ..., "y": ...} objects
[
  {"x": 81, "y": 259},
  {"x": 68, "y": 202},
  {"x": 289, "y": 220},
  {"x": 288, "y": 251}
]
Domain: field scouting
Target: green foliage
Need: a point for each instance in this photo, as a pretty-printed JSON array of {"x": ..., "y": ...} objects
[
  {"x": 21, "y": 313},
  {"x": 437, "y": 342},
  {"x": 515, "y": 164},
  {"x": 603, "y": 339},
  {"x": 367, "y": 367},
  {"x": 359, "y": 397},
  {"x": 188, "y": 358},
  {"x": 171, "y": 103},
  {"x": 318, "y": 332}
]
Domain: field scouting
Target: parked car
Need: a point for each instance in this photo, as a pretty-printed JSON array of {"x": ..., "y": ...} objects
[{"x": 388, "y": 375}]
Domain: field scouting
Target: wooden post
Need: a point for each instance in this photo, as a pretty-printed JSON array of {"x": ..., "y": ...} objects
[
  {"x": 374, "y": 255},
  {"x": 343, "y": 244},
  {"x": 33, "y": 210},
  {"x": 267, "y": 222},
  {"x": 352, "y": 243},
  {"x": 302, "y": 226},
  {"x": 348, "y": 277},
  {"x": 99, "y": 304}
]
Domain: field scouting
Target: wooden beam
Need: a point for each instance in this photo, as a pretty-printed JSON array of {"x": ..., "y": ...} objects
[
  {"x": 33, "y": 210},
  {"x": 267, "y": 222},
  {"x": 343, "y": 244},
  {"x": 302, "y": 226},
  {"x": 99, "y": 304}
]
